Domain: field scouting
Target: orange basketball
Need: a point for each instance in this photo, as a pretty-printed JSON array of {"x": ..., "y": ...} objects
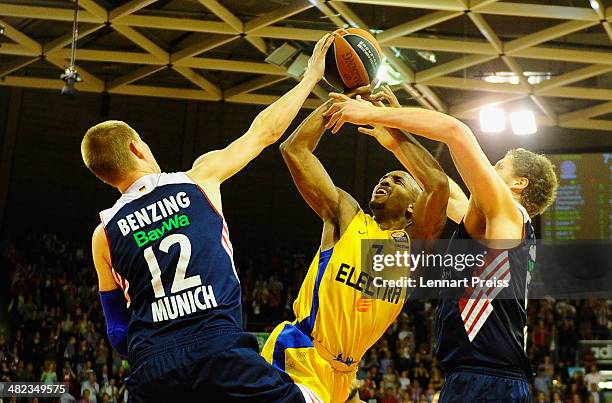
[{"x": 353, "y": 59}]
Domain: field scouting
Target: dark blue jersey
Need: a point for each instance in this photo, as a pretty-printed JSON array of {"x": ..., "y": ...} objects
[
  {"x": 171, "y": 255},
  {"x": 484, "y": 328}
]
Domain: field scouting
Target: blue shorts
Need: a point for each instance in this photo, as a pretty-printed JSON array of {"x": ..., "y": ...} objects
[
  {"x": 233, "y": 372},
  {"x": 464, "y": 386}
]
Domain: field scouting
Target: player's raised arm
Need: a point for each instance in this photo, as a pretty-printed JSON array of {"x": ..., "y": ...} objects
[
  {"x": 490, "y": 193},
  {"x": 457, "y": 202},
  {"x": 267, "y": 128},
  {"x": 312, "y": 180},
  {"x": 111, "y": 296},
  {"x": 416, "y": 158},
  {"x": 429, "y": 211}
]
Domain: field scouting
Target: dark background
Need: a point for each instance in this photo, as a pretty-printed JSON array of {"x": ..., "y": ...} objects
[{"x": 46, "y": 188}]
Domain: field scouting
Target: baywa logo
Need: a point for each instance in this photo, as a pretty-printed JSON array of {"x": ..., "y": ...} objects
[{"x": 144, "y": 237}]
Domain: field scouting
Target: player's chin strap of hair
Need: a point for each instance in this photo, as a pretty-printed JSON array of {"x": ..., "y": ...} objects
[{"x": 117, "y": 319}]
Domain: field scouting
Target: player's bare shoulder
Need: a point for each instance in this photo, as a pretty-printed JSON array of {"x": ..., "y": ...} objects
[
  {"x": 211, "y": 188},
  {"x": 348, "y": 207}
]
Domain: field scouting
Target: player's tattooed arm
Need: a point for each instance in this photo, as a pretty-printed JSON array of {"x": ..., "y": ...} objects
[
  {"x": 333, "y": 205},
  {"x": 491, "y": 195},
  {"x": 219, "y": 165}
]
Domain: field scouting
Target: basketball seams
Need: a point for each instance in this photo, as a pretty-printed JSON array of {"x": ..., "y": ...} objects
[
  {"x": 368, "y": 56},
  {"x": 367, "y": 36},
  {"x": 352, "y": 76},
  {"x": 354, "y": 60}
]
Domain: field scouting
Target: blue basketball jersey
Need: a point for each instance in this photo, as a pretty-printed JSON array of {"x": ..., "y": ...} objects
[
  {"x": 485, "y": 328},
  {"x": 172, "y": 256}
]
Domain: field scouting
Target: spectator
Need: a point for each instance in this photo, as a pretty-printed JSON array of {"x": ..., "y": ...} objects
[
  {"x": 110, "y": 389},
  {"x": 542, "y": 398},
  {"x": 86, "y": 397},
  {"x": 390, "y": 378},
  {"x": 389, "y": 396},
  {"x": 49, "y": 375},
  {"x": 404, "y": 381},
  {"x": 593, "y": 378},
  {"x": 593, "y": 395},
  {"x": 540, "y": 338},
  {"x": 92, "y": 386}
]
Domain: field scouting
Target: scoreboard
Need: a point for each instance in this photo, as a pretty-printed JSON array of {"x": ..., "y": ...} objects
[{"x": 583, "y": 208}]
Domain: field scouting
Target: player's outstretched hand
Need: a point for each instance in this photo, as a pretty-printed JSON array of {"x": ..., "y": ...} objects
[
  {"x": 316, "y": 63},
  {"x": 346, "y": 110},
  {"x": 386, "y": 94},
  {"x": 365, "y": 92},
  {"x": 384, "y": 137}
]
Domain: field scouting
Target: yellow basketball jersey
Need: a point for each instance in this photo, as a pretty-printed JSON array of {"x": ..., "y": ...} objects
[{"x": 346, "y": 313}]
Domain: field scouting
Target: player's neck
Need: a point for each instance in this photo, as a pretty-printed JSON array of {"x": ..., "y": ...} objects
[
  {"x": 132, "y": 178},
  {"x": 392, "y": 223}
]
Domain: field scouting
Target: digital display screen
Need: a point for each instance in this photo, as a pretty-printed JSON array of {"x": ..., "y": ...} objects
[{"x": 583, "y": 208}]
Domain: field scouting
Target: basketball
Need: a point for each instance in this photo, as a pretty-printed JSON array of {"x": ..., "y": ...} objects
[{"x": 353, "y": 59}]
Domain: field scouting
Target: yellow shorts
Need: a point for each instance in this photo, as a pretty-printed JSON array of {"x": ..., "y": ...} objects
[{"x": 291, "y": 351}]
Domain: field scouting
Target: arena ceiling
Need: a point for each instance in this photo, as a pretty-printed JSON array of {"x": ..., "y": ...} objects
[{"x": 553, "y": 56}]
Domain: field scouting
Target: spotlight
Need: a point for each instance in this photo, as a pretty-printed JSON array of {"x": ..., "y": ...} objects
[
  {"x": 70, "y": 77},
  {"x": 388, "y": 74},
  {"x": 523, "y": 122},
  {"x": 492, "y": 120},
  {"x": 508, "y": 77},
  {"x": 429, "y": 56},
  {"x": 594, "y": 4},
  {"x": 297, "y": 68}
]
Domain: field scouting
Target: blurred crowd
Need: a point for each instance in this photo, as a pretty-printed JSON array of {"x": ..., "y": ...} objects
[{"x": 56, "y": 329}]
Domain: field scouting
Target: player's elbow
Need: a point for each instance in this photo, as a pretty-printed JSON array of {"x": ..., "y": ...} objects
[
  {"x": 438, "y": 181},
  {"x": 437, "y": 184},
  {"x": 284, "y": 147},
  {"x": 289, "y": 149},
  {"x": 456, "y": 132}
]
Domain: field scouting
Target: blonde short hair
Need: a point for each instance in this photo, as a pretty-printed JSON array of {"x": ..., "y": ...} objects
[{"x": 106, "y": 150}]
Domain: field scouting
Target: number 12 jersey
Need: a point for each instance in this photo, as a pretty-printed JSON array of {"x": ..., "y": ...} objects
[{"x": 172, "y": 257}]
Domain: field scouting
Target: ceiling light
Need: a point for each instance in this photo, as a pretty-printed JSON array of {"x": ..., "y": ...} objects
[
  {"x": 429, "y": 56},
  {"x": 387, "y": 74},
  {"x": 492, "y": 120},
  {"x": 523, "y": 122},
  {"x": 534, "y": 77},
  {"x": 297, "y": 68},
  {"x": 501, "y": 77},
  {"x": 594, "y": 4},
  {"x": 508, "y": 77}
]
